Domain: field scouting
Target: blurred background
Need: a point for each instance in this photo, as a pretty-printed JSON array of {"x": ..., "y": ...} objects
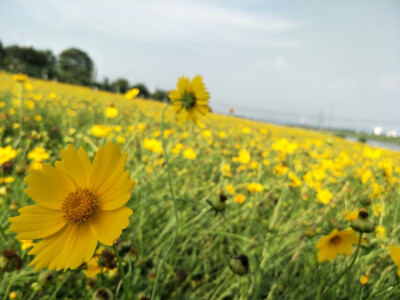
[{"x": 319, "y": 64}]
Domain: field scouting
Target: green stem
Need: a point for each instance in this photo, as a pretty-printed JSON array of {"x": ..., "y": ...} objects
[
  {"x": 53, "y": 296},
  {"x": 164, "y": 145},
  {"x": 347, "y": 269},
  {"x": 383, "y": 289},
  {"x": 122, "y": 272},
  {"x": 10, "y": 285}
]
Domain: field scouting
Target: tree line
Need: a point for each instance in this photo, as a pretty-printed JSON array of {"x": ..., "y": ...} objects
[{"x": 72, "y": 66}]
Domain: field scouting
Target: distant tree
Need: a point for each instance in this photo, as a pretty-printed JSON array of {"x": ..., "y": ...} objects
[
  {"x": 105, "y": 85},
  {"x": 75, "y": 66},
  {"x": 120, "y": 85},
  {"x": 35, "y": 63},
  {"x": 144, "y": 92},
  {"x": 2, "y": 55},
  {"x": 160, "y": 95}
]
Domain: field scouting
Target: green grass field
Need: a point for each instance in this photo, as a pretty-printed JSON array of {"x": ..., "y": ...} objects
[{"x": 309, "y": 185}]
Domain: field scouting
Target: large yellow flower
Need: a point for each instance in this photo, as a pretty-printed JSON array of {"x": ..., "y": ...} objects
[
  {"x": 78, "y": 203},
  {"x": 337, "y": 242},
  {"x": 190, "y": 99},
  {"x": 395, "y": 255}
]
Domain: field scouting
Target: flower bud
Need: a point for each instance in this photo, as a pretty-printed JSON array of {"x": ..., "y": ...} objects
[
  {"x": 103, "y": 294},
  {"x": 35, "y": 286},
  {"x": 46, "y": 278},
  {"x": 239, "y": 264},
  {"x": 362, "y": 223}
]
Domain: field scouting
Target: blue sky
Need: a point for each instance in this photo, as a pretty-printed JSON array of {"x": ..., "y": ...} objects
[{"x": 313, "y": 62}]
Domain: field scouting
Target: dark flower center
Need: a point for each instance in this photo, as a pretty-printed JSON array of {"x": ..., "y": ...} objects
[
  {"x": 188, "y": 100},
  {"x": 79, "y": 205},
  {"x": 335, "y": 240}
]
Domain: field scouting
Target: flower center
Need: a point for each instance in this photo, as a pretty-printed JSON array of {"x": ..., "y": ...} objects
[
  {"x": 188, "y": 100},
  {"x": 79, "y": 205},
  {"x": 335, "y": 240}
]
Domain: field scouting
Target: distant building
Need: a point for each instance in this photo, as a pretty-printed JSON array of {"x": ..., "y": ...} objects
[
  {"x": 377, "y": 130},
  {"x": 391, "y": 133}
]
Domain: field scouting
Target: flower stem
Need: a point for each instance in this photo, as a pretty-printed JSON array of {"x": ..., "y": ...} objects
[
  {"x": 347, "y": 269},
  {"x": 122, "y": 272},
  {"x": 171, "y": 187}
]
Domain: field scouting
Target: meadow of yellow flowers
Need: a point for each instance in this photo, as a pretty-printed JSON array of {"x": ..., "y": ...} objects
[{"x": 199, "y": 207}]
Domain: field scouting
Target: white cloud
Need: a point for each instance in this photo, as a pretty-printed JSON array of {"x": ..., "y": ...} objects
[
  {"x": 342, "y": 84},
  {"x": 390, "y": 84},
  {"x": 281, "y": 64},
  {"x": 173, "y": 21}
]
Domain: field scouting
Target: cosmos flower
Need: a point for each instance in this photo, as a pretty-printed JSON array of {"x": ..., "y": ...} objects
[
  {"x": 38, "y": 154},
  {"x": 335, "y": 243},
  {"x": 101, "y": 130},
  {"x": 190, "y": 99},
  {"x": 239, "y": 198},
  {"x": 78, "y": 204},
  {"x": 395, "y": 255},
  {"x": 7, "y": 154},
  {"x": 132, "y": 93},
  {"x": 189, "y": 154},
  {"x": 111, "y": 112},
  {"x": 364, "y": 279},
  {"x": 20, "y": 77}
]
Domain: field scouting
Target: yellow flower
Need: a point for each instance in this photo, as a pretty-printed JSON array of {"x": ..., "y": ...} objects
[
  {"x": 337, "y": 242},
  {"x": 101, "y": 130},
  {"x": 244, "y": 157},
  {"x": 230, "y": 189},
  {"x": 189, "y": 153},
  {"x": 190, "y": 99},
  {"x": 239, "y": 198},
  {"x": 294, "y": 180},
  {"x": 364, "y": 279},
  {"x": 13, "y": 295},
  {"x": 121, "y": 139},
  {"x": 26, "y": 244},
  {"x": 152, "y": 145},
  {"x": 380, "y": 231},
  {"x": 36, "y": 165},
  {"x": 132, "y": 93},
  {"x": 7, "y": 179},
  {"x": 284, "y": 146},
  {"x": 111, "y": 112},
  {"x": 92, "y": 267},
  {"x": 38, "y": 154},
  {"x": 177, "y": 149},
  {"x": 324, "y": 196},
  {"x": 254, "y": 187},
  {"x": 226, "y": 170},
  {"x": 7, "y": 154},
  {"x": 366, "y": 176},
  {"x": 38, "y": 118},
  {"x": 78, "y": 203},
  {"x": 351, "y": 216},
  {"x": 395, "y": 255},
  {"x": 280, "y": 170},
  {"x": 20, "y": 77}
]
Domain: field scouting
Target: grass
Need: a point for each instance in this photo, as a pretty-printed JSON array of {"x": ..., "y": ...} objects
[{"x": 277, "y": 228}]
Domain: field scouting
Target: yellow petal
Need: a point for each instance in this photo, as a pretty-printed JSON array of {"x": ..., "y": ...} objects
[
  {"x": 76, "y": 165},
  {"x": 118, "y": 195},
  {"x": 49, "y": 249},
  {"x": 107, "y": 225},
  {"x": 36, "y": 222},
  {"x": 104, "y": 168},
  {"x": 49, "y": 186}
]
